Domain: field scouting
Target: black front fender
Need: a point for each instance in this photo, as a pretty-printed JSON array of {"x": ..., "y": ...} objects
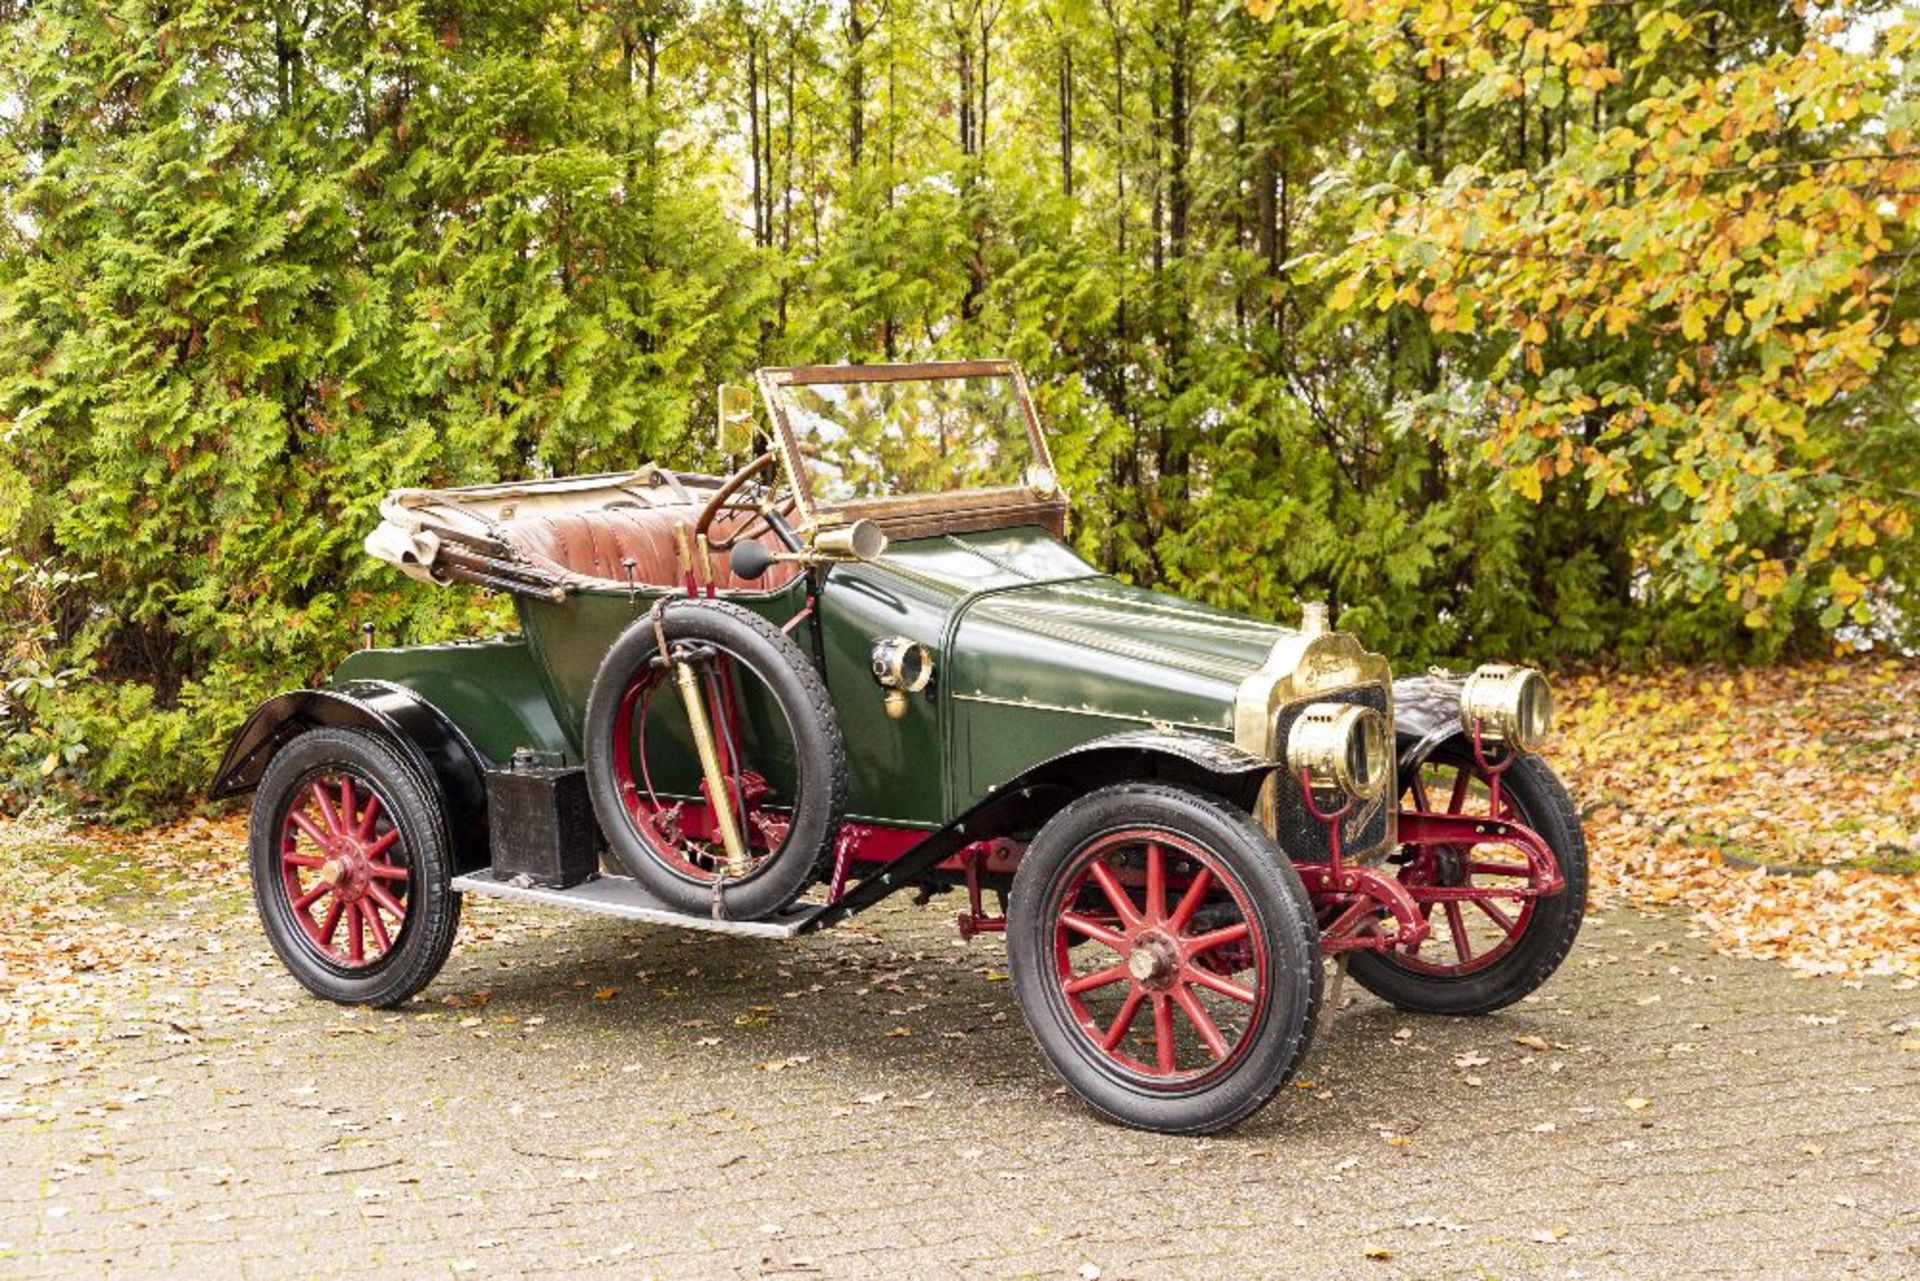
[
  {"x": 1426, "y": 713},
  {"x": 1026, "y": 801},
  {"x": 440, "y": 754},
  {"x": 1163, "y": 755}
]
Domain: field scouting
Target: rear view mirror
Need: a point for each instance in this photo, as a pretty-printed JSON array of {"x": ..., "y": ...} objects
[{"x": 736, "y": 419}]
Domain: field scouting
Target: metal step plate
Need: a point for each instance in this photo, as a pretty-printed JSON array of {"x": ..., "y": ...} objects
[{"x": 622, "y": 896}]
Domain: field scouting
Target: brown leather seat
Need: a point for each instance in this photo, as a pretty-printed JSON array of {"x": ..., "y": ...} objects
[{"x": 597, "y": 545}]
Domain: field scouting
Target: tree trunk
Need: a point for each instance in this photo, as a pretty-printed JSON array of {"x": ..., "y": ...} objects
[
  {"x": 1178, "y": 141},
  {"x": 857, "y": 33},
  {"x": 1066, "y": 117},
  {"x": 753, "y": 134}
]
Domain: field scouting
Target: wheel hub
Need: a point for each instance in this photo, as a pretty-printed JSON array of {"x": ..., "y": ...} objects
[
  {"x": 346, "y": 869},
  {"x": 1154, "y": 961}
]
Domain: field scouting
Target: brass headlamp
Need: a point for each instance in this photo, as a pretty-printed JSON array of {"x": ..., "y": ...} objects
[
  {"x": 1341, "y": 744},
  {"x": 1511, "y": 705}
]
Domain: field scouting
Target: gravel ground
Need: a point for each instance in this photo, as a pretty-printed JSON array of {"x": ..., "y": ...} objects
[{"x": 580, "y": 1096}]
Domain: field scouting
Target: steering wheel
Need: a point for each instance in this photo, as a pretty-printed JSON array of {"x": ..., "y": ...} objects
[{"x": 723, "y": 500}]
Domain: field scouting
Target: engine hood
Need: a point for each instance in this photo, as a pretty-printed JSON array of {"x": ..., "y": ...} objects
[
  {"x": 1036, "y": 653},
  {"x": 1092, "y": 645}
]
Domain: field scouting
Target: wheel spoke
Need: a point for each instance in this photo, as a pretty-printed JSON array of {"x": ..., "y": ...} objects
[
  {"x": 356, "y": 934},
  {"x": 1202, "y": 1021},
  {"x": 331, "y": 922},
  {"x": 303, "y": 860},
  {"x": 1099, "y": 978},
  {"x": 1457, "y": 924},
  {"x": 1116, "y": 893},
  {"x": 1093, "y": 930},
  {"x": 379, "y": 929},
  {"x": 327, "y": 813},
  {"x": 1420, "y": 801},
  {"x": 1190, "y": 901},
  {"x": 1163, "y": 1033},
  {"x": 1462, "y": 780},
  {"x": 348, "y": 814},
  {"x": 305, "y": 824},
  {"x": 382, "y": 845},
  {"x": 1498, "y": 917},
  {"x": 367, "y": 816},
  {"x": 1219, "y": 983},
  {"x": 379, "y": 895},
  {"x": 1214, "y": 938},
  {"x": 387, "y": 872},
  {"x": 308, "y": 899},
  {"x": 1156, "y": 882},
  {"x": 1124, "y": 1020}
]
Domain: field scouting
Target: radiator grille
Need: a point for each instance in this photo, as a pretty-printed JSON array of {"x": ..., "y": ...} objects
[{"x": 1367, "y": 831}]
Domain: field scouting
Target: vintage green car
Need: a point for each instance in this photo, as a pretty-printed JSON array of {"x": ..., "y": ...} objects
[{"x": 866, "y": 661}]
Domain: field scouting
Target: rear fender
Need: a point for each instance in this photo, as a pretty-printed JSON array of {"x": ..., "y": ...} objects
[{"x": 440, "y": 755}]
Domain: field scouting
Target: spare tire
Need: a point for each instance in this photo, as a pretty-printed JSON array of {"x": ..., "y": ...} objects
[{"x": 776, "y": 733}]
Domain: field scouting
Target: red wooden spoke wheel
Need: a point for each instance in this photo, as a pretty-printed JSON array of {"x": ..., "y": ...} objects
[
  {"x": 352, "y": 873},
  {"x": 1172, "y": 987},
  {"x": 1488, "y": 950},
  {"x": 344, "y": 871},
  {"x": 1165, "y": 956},
  {"x": 1472, "y": 934}
]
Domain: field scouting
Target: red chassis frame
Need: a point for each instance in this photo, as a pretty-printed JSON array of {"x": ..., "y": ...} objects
[{"x": 1361, "y": 908}]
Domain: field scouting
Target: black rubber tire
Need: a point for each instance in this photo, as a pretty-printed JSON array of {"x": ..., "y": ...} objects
[
  {"x": 1545, "y": 806},
  {"x": 1285, "y": 1018},
  {"x": 806, "y": 856},
  {"x": 414, "y": 806}
]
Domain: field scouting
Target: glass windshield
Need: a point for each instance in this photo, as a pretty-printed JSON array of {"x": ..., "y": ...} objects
[{"x": 865, "y": 440}]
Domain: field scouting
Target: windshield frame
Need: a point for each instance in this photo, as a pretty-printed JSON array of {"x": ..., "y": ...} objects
[{"x": 904, "y": 508}]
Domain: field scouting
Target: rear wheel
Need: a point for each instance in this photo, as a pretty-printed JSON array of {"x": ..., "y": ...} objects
[
  {"x": 351, "y": 873},
  {"x": 1165, "y": 957},
  {"x": 1484, "y": 954}
]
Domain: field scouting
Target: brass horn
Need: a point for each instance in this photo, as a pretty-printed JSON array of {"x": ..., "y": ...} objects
[{"x": 861, "y": 540}]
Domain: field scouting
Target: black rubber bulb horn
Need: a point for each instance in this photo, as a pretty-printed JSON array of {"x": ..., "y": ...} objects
[{"x": 750, "y": 560}]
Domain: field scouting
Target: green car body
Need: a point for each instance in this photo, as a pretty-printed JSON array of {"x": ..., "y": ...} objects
[{"x": 1035, "y": 653}]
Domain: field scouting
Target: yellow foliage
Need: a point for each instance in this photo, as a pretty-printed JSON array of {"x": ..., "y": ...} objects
[{"x": 1764, "y": 289}]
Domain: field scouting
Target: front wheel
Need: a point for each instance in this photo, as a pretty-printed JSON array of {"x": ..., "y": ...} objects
[
  {"x": 1165, "y": 957},
  {"x": 351, "y": 871},
  {"x": 1484, "y": 953}
]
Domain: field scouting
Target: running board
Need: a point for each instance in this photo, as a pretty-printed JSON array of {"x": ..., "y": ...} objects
[{"x": 625, "y": 897}]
